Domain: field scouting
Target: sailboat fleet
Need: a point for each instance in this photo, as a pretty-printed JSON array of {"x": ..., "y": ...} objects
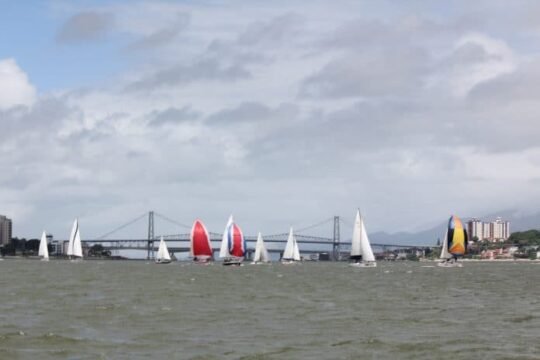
[{"x": 233, "y": 249}]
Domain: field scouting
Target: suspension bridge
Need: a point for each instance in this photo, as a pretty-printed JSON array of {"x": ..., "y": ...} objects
[{"x": 180, "y": 243}]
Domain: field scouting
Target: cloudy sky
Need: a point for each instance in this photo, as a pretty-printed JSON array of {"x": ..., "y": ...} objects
[{"x": 281, "y": 112}]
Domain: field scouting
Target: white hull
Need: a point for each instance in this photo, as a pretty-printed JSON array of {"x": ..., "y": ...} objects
[
  {"x": 447, "y": 264},
  {"x": 260, "y": 263},
  {"x": 289, "y": 262},
  {"x": 363, "y": 264},
  {"x": 163, "y": 261},
  {"x": 44, "y": 259}
]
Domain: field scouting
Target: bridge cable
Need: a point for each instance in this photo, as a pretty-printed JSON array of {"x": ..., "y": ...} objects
[
  {"x": 171, "y": 220},
  {"x": 102, "y": 237}
]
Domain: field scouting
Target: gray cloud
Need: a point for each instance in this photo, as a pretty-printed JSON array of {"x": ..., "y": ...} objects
[
  {"x": 85, "y": 26},
  {"x": 392, "y": 72},
  {"x": 172, "y": 116},
  {"x": 162, "y": 36},
  {"x": 203, "y": 70}
]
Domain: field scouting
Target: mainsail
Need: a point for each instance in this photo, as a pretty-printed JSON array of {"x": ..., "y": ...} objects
[
  {"x": 163, "y": 251},
  {"x": 261, "y": 254},
  {"x": 224, "y": 250},
  {"x": 201, "y": 247},
  {"x": 291, "y": 251},
  {"x": 43, "y": 250}
]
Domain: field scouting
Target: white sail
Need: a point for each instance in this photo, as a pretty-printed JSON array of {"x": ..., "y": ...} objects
[
  {"x": 296, "y": 251},
  {"x": 360, "y": 246},
  {"x": 356, "y": 249},
  {"x": 163, "y": 251},
  {"x": 72, "y": 237},
  {"x": 444, "y": 251},
  {"x": 77, "y": 246},
  {"x": 43, "y": 250},
  {"x": 291, "y": 251},
  {"x": 224, "y": 250},
  {"x": 367, "y": 252},
  {"x": 261, "y": 254}
]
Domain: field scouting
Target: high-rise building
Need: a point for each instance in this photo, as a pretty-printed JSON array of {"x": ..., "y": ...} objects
[
  {"x": 497, "y": 230},
  {"x": 5, "y": 230},
  {"x": 475, "y": 228}
]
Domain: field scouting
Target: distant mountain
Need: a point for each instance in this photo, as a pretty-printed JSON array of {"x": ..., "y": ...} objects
[{"x": 428, "y": 237}]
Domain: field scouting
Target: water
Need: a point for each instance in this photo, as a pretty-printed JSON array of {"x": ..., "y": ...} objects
[{"x": 138, "y": 310}]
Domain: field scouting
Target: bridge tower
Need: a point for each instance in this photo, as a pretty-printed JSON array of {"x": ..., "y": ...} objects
[
  {"x": 336, "y": 242},
  {"x": 150, "y": 247}
]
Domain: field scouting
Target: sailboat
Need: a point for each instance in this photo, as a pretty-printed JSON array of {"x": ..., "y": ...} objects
[
  {"x": 454, "y": 244},
  {"x": 43, "y": 250},
  {"x": 291, "y": 254},
  {"x": 163, "y": 256},
  {"x": 261, "y": 254},
  {"x": 233, "y": 244},
  {"x": 201, "y": 247},
  {"x": 361, "y": 252},
  {"x": 74, "y": 250}
]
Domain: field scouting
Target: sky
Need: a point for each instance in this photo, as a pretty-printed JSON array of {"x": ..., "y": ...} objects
[{"x": 281, "y": 113}]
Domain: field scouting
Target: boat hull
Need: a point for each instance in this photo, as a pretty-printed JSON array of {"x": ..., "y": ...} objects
[
  {"x": 289, "y": 262},
  {"x": 363, "y": 264},
  {"x": 163, "y": 261},
  {"x": 232, "y": 262},
  {"x": 447, "y": 264}
]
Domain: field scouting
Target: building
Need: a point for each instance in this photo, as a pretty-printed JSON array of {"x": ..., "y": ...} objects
[
  {"x": 494, "y": 231},
  {"x": 475, "y": 228},
  {"x": 6, "y": 227}
]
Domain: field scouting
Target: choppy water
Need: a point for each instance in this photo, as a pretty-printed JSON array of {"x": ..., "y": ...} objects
[{"x": 121, "y": 310}]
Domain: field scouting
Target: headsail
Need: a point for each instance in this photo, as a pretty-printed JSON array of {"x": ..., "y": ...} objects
[
  {"x": 444, "y": 251},
  {"x": 201, "y": 247},
  {"x": 236, "y": 241},
  {"x": 457, "y": 237},
  {"x": 43, "y": 250},
  {"x": 367, "y": 252}
]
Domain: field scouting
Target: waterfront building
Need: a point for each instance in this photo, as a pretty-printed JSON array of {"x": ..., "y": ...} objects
[
  {"x": 495, "y": 231},
  {"x": 475, "y": 228},
  {"x": 6, "y": 228}
]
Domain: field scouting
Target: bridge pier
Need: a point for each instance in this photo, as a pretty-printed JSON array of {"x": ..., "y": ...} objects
[{"x": 150, "y": 245}]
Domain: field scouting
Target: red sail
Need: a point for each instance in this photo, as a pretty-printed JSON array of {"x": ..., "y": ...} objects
[
  {"x": 237, "y": 245},
  {"x": 200, "y": 241}
]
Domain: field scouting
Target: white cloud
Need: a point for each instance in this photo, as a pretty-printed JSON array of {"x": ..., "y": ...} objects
[
  {"x": 400, "y": 120},
  {"x": 15, "y": 88}
]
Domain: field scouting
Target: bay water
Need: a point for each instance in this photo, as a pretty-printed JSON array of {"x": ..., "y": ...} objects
[{"x": 320, "y": 310}]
